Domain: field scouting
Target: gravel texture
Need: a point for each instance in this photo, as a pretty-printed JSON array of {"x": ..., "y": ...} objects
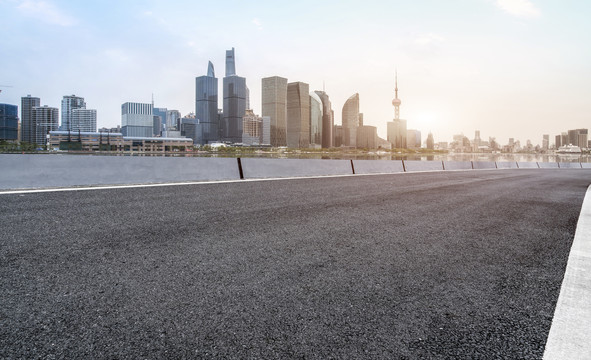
[{"x": 456, "y": 265}]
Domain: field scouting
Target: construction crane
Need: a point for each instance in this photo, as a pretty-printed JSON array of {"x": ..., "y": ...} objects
[{"x": 4, "y": 86}]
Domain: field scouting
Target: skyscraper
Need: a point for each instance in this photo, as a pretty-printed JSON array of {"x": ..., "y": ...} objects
[
  {"x": 83, "y": 120},
  {"x": 327, "y": 120},
  {"x": 430, "y": 141},
  {"x": 397, "y": 128},
  {"x": 8, "y": 122},
  {"x": 28, "y": 127},
  {"x": 545, "y": 141},
  {"x": 206, "y": 106},
  {"x": 235, "y": 98},
  {"x": 274, "y": 98},
  {"x": 351, "y": 120},
  {"x": 159, "y": 115},
  {"x": 137, "y": 120},
  {"x": 298, "y": 115},
  {"x": 46, "y": 120},
  {"x": 316, "y": 116},
  {"x": 230, "y": 63},
  {"x": 69, "y": 103}
]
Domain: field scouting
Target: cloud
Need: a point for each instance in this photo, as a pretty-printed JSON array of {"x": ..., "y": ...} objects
[
  {"x": 258, "y": 23},
  {"x": 427, "y": 39},
  {"x": 46, "y": 11},
  {"x": 519, "y": 8}
]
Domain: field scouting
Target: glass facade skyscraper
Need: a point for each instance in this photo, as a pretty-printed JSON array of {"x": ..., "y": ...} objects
[
  {"x": 235, "y": 101},
  {"x": 206, "y": 107},
  {"x": 230, "y": 63},
  {"x": 327, "y": 120},
  {"x": 298, "y": 115},
  {"x": 8, "y": 122},
  {"x": 351, "y": 120},
  {"x": 274, "y": 94},
  {"x": 315, "y": 120}
]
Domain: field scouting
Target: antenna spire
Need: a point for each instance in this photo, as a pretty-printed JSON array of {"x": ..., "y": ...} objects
[{"x": 396, "y": 89}]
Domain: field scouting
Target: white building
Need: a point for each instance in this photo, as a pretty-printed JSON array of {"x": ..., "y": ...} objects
[
  {"x": 137, "y": 119},
  {"x": 69, "y": 104},
  {"x": 83, "y": 120}
]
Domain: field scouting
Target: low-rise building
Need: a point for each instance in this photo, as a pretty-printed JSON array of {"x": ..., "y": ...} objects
[{"x": 107, "y": 141}]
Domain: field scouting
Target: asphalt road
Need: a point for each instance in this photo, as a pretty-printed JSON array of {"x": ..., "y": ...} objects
[{"x": 417, "y": 265}]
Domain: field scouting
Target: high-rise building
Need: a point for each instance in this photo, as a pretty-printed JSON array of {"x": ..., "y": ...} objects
[
  {"x": 69, "y": 104},
  {"x": 206, "y": 106},
  {"x": 8, "y": 122},
  {"x": 430, "y": 142},
  {"x": 159, "y": 115},
  {"x": 367, "y": 137},
  {"x": 327, "y": 120},
  {"x": 351, "y": 120},
  {"x": 413, "y": 138},
  {"x": 564, "y": 138},
  {"x": 188, "y": 127},
  {"x": 173, "y": 117},
  {"x": 230, "y": 63},
  {"x": 338, "y": 136},
  {"x": 545, "y": 141},
  {"x": 137, "y": 120},
  {"x": 298, "y": 115},
  {"x": 397, "y": 128},
  {"x": 256, "y": 129},
  {"x": 316, "y": 116},
  {"x": 274, "y": 99},
  {"x": 83, "y": 120},
  {"x": 28, "y": 127},
  {"x": 46, "y": 120},
  {"x": 235, "y": 98},
  {"x": 558, "y": 141}
]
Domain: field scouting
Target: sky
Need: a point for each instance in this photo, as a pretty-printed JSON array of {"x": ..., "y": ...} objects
[{"x": 509, "y": 68}]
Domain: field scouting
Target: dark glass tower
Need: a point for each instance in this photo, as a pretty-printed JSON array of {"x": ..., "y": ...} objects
[
  {"x": 8, "y": 122},
  {"x": 206, "y": 107},
  {"x": 235, "y": 101}
]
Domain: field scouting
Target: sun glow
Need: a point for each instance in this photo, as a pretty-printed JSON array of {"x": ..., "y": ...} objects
[{"x": 426, "y": 120}]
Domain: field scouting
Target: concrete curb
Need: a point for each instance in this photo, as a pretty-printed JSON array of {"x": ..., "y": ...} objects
[{"x": 569, "y": 336}]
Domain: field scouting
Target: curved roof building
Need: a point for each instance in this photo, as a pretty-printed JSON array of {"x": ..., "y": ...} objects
[{"x": 350, "y": 120}]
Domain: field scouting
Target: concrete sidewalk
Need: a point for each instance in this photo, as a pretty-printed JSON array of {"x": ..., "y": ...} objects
[{"x": 569, "y": 336}]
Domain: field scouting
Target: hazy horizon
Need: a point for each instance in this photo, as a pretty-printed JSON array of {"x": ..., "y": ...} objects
[{"x": 509, "y": 68}]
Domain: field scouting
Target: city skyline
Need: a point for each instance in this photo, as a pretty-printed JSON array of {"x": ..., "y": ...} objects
[{"x": 511, "y": 69}]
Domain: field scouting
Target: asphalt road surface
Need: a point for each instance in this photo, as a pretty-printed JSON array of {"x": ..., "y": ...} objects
[{"x": 418, "y": 265}]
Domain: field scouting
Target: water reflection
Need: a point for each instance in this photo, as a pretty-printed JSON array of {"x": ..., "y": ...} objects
[{"x": 380, "y": 156}]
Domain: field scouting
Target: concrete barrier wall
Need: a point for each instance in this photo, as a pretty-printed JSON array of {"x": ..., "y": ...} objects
[
  {"x": 506, "y": 165},
  {"x": 484, "y": 165},
  {"x": 548, "y": 165},
  {"x": 570, "y": 165},
  {"x": 44, "y": 171},
  {"x": 457, "y": 165},
  {"x": 527, "y": 165},
  {"x": 41, "y": 171},
  {"x": 378, "y": 166},
  {"x": 418, "y": 165},
  {"x": 277, "y": 168}
]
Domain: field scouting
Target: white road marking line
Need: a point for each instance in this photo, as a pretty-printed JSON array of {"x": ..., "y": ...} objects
[
  {"x": 132, "y": 186},
  {"x": 570, "y": 333}
]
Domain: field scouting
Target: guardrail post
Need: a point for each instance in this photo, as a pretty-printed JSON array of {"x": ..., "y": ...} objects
[{"x": 240, "y": 169}]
